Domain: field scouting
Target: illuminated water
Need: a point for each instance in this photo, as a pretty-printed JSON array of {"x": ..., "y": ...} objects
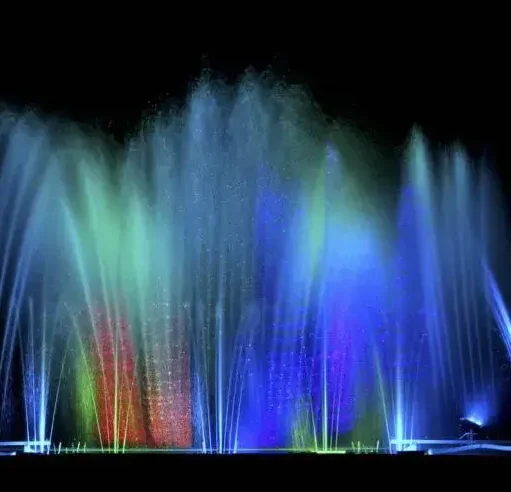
[{"x": 231, "y": 281}]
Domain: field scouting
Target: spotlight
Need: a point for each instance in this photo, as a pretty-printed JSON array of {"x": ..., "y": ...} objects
[
  {"x": 474, "y": 420},
  {"x": 470, "y": 429}
]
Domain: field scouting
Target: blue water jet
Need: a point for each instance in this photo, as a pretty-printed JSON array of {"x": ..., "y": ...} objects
[{"x": 240, "y": 217}]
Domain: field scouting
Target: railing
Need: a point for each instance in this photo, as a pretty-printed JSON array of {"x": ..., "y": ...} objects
[
  {"x": 39, "y": 447},
  {"x": 448, "y": 446}
]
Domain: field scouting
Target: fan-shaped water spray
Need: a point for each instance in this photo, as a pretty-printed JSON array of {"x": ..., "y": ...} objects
[{"x": 226, "y": 283}]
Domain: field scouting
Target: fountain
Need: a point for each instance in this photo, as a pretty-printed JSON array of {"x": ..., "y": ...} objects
[
  {"x": 227, "y": 283},
  {"x": 442, "y": 311}
]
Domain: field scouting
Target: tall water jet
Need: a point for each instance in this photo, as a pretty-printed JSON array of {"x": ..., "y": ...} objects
[
  {"x": 223, "y": 283},
  {"x": 26, "y": 217},
  {"x": 443, "y": 319}
]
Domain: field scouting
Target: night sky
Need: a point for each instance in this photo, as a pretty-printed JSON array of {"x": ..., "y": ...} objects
[{"x": 451, "y": 90}]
